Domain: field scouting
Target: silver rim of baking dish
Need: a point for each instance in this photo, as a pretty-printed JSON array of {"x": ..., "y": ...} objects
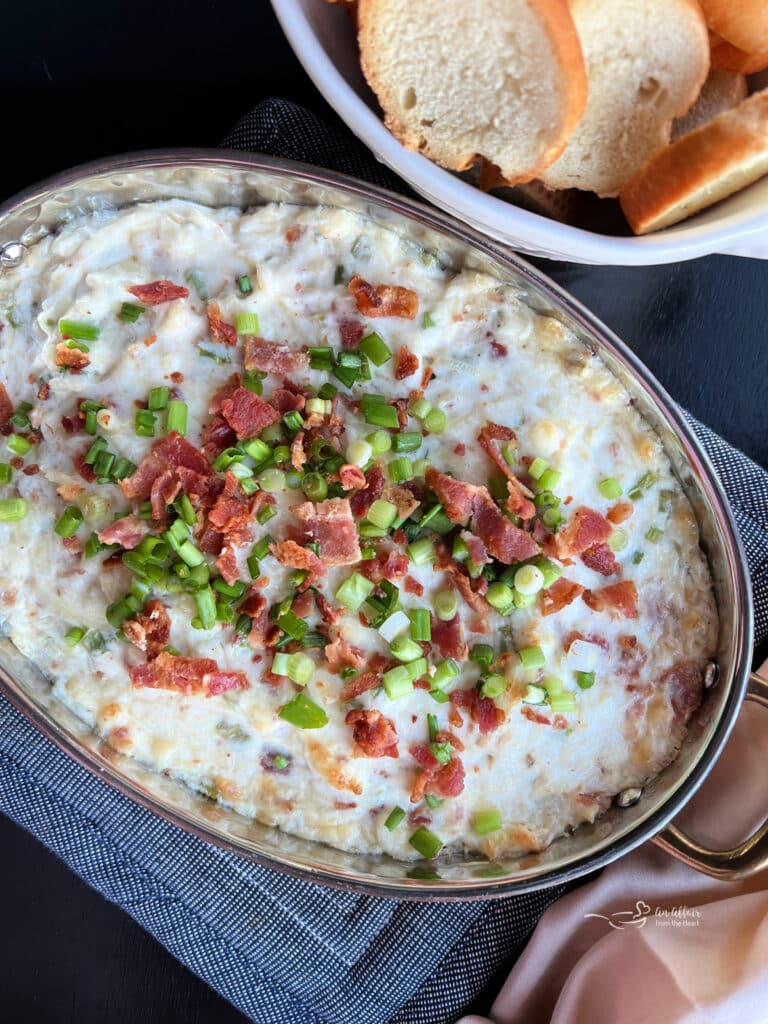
[{"x": 470, "y": 877}]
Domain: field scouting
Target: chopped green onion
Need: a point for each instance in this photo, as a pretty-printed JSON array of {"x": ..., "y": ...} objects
[
  {"x": 252, "y": 381},
  {"x": 91, "y": 423},
  {"x": 6, "y": 472},
  {"x": 243, "y": 626},
  {"x": 382, "y": 513},
  {"x": 18, "y": 445},
  {"x": 509, "y": 453},
  {"x": 102, "y": 467},
  {"x": 339, "y": 275},
  {"x": 552, "y": 572},
  {"x": 501, "y": 597},
  {"x": 247, "y": 323},
  {"x": 380, "y": 442},
  {"x": 610, "y": 488},
  {"x": 348, "y": 375},
  {"x": 353, "y": 591},
  {"x": 487, "y": 821},
  {"x": 158, "y": 398},
  {"x": 153, "y": 548},
  {"x": 446, "y": 605},
  {"x": 74, "y": 635},
  {"x": 195, "y": 278},
  {"x": 435, "y": 421},
  {"x": 374, "y": 348},
  {"x": 300, "y": 668},
  {"x": 553, "y": 685},
  {"x": 20, "y": 420},
  {"x": 190, "y": 554},
  {"x": 618, "y": 540},
  {"x": 317, "y": 406},
  {"x": 665, "y": 500},
  {"x": 405, "y": 649},
  {"x": 534, "y": 694},
  {"x": 244, "y": 284},
  {"x": 654, "y": 534},
  {"x": 563, "y": 701},
  {"x": 493, "y": 685},
  {"x": 585, "y": 680},
  {"x": 314, "y": 486},
  {"x": 439, "y": 696},
  {"x": 68, "y": 522},
  {"x": 442, "y": 752},
  {"x": 293, "y": 626},
  {"x": 397, "y": 682},
  {"x": 637, "y": 558},
  {"x": 145, "y": 423},
  {"x": 321, "y": 358},
  {"x": 213, "y": 355},
  {"x": 177, "y": 417},
  {"x": 421, "y": 626},
  {"x": 445, "y": 672},
  {"x": 422, "y": 551},
  {"x": 379, "y": 414},
  {"x": 407, "y": 441},
  {"x": 130, "y": 312},
  {"x": 482, "y": 654},
  {"x": 532, "y": 657},
  {"x": 394, "y": 818},
  {"x": 79, "y": 330},
  {"x": 327, "y": 392},
  {"x": 399, "y": 470},
  {"x": 257, "y": 449},
  {"x": 224, "y": 612},
  {"x": 420, "y": 408},
  {"x": 272, "y": 480},
  {"x": 123, "y": 609},
  {"x": 261, "y": 548},
  {"x": 293, "y": 420},
  {"x": 529, "y": 579},
  {"x": 205, "y": 603},
  {"x": 427, "y": 321},
  {"x": 537, "y": 467},
  {"x": 249, "y": 486},
  {"x": 14, "y": 509},
  {"x": 426, "y": 843},
  {"x": 98, "y": 446},
  {"x": 433, "y": 727},
  {"x": 231, "y": 590},
  {"x": 303, "y": 713},
  {"x": 280, "y": 664},
  {"x": 549, "y": 479},
  {"x": 188, "y": 513},
  {"x": 552, "y": 518},
  {"x": 546, "y": 499}
]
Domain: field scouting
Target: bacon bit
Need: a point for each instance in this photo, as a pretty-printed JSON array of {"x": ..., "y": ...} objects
[
  {"x": 492, "y": 432},
  {"x": 585, "y": 529},
  {"x": 460, "y": 449},
  {"x": 352, "y": 477},
  {"x": 330, "y": 524},
  {"x": 128, "y": 532},
  {"x": 289, "y": 553},
  {"x": 150, "y": 340},
  {"x": 449, "y": 737},
  {"x": 497, "y": 349},
  {"x": 255, "y": 607},
  {"x": 157, "y": 292},
  {"x": 436, "y": 779},
  {"x": 407, "y": 363},
  {"x": 684, "y": 684},
  {"x": 448, "y": 637},
  {"x": 413, "y": 586},
  {"x": 475, "y": 601},
  {"x": 518, "y": 502},
  {"x": 328, "y": 613},
  {"x": 367, "y": 680},
  {"x": 456, "y": 496},
  {"x": 272, "y": 357},
  {"x": 226, "y": 563},
  {"x": 220, "y": 331},
  {"x": 6, "y": 405},
  {"x": 248, "y": 414},
  {"x": 287, "y": 401},
  {"x": 340, "y": 654},
  {"x": 387, "y": 565},
  {"x": 562, "y": 592},
  {"x": 81, "y": 466},
  {"x": 591, "y": 638},
  {"x": 298, "y": 455},
  {"x": 374, "y": 734},
  {"x": 505, "y": 541},
  {"x": 187, "y": 675},
  {"x": 227, "y": 389},
  {"x": 383, "y": 299},
  {"x": 454, "y": 716},
  {"x": 71, "y": 357},
  {"x": 478, "y": 552},
  {"x": 601, "y": 559},
  {"x": 293, "y": 234},
  {"x": 177, "y": 377},
  {"x": 42, "y": 392},
  {"x": 426, "y": 377},
  {"x": 216, "y": 436},
  {"x": 164, "y": 491},
  {"x": 620, "y": 512},
  {"x": 618, "y": 599},
  {"x": 31, "y": 470},
  {"x": 361, "y": 501},
  {"x": 482, "y": 710},
  {"x": 171, "y": 452},
  {"x": 534, "y": 716},
  {"x": 351, "y": 333},
  {"x": 150, "y": 629},
  {"x": 73, "y": 544},
  {"x": 301, "y": 605}
]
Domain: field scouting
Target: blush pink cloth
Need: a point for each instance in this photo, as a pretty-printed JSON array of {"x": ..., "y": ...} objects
[{"x": 668, "y": 945}]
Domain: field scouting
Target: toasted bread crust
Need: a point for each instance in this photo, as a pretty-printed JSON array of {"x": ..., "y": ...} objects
[
  {"x": 570, "y": 76},
  {"x": 743, "y": 23},
  {"x": 700, "y": 168}
]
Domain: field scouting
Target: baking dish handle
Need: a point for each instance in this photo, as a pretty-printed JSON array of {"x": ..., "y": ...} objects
[{"x": 728, "y": 865}]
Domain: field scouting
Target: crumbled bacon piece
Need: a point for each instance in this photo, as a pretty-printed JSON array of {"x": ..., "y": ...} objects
[
  {"x": 339, "y": 654},
  {"x": 156, "y": 292},
  {"x": 585, "y": 529},
  {"x": 601, "y": 559},
  {"x": 618, "y": 599},
  {"x": 456, "y": 496},
  {"x": 327, "y": 612},
  {"x": 482, "y": 710},
  {"x": 362, "y": 500},
  {"x": 402, "y": 498},
  {"x": 43, "y": 392},
  {"x": 351, "y": 333},
  {"x": 226, "y": 563},
  {"x": 684, "y": 683},
  {"x": 272, "y": 357},
  {"x": 227, "y": 389},
  {"x": 216, "y": 436},
  {"x": 561, "y": 593},
  {"x": 247, "y": 413},
  {"x": 219, "y": 331},
  {"x": 495, "y": 432},
  {"x": 478, "y": 553},
  {"x": 127, "y": 532},
  {"x": 367, "y": 680},
  {"x": 289, "y": 553},
  {"x": 413, "y": 586},
  {"x": 497, "y": 349},
  {"x": 202, "y": 489},
  {"x": 620, "y": 512},
  {"x": 301, "y": 606},
  {"x": 591, "y": 638},
  {"x": 436, "y": 779},
  {"x": 383, "y": 299},
  {"x": 150, "y": 629},
  {"x": 6, "y": 406},
  {"x": 533, "y": 715},
  {"x": 298, "y": 455},
  {"x": 505, "y": 541},
  {"x": 448, "y": 637},
  {"x": 330, "y": 524},
  {"x": 407, "y": 363},
  {"x": 72, "y": 424},
  {"x": 285, "y": 400},
  {"x": 260, "y": 624},
  {"x": 187, "y": 675},
  {"x": 82, "y": 467},
  {"x": 71, "y": 357},
  {"x": 519, "y": 502},
  {"x": 352, "y": 477},
  {"x": 374, "y": 734},
  {"x": 171, "y": 452},
  {"x": 164, "y": 491},
  {"x": 387, "y": 565}
]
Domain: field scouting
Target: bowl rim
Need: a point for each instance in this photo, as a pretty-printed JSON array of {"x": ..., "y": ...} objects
[
  {"x": 504, "y": 222},
  {"x": 695, "y": 457}
]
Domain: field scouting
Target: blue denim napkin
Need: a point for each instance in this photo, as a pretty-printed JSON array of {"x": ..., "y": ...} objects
[{"x": 282, "y": 950}]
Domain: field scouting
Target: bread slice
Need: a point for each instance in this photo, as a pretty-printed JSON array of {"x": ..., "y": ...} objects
[
  {"x": 742, "y": 23},
  {"x": 722, "y": 90},
  {"x": 701, "y": 168},
  {"x": 646, "y": 63},
  {"x": 457, "y": 79}
]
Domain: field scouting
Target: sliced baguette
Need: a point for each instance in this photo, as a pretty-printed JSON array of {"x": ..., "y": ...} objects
[
  {"x": 701, "y": 168},
  {"x": 646, "y": 63},
  {"x": 742, "y": 23},
  {"x": 458, "y": 79},
  {"x": 722, "y": 90}
]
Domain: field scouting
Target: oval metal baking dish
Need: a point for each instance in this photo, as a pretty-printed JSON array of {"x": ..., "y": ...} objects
[{"x": 218, "y": 178}]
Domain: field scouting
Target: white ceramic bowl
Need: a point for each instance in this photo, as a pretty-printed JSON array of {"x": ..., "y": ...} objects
[{"x": 322, "y": 37}]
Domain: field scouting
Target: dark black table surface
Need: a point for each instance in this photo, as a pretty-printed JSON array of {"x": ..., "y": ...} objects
[{"x": 80, "y": 81}]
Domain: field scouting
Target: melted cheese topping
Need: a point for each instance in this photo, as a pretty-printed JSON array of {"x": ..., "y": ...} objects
[{"x": 492, "y": 359}]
